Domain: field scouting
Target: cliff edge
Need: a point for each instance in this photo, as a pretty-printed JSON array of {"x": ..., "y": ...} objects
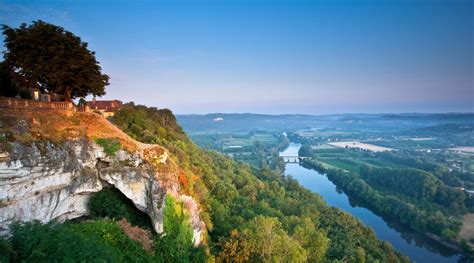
[{"x": 51, "y": 162}]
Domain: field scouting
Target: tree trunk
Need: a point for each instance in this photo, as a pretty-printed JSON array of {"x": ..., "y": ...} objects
[{"x": 67, "y": 94}]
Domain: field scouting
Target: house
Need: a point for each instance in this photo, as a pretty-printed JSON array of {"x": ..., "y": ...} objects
[
  {"x": 106, "y": 108},
  {"x": 37, "y": 95}
]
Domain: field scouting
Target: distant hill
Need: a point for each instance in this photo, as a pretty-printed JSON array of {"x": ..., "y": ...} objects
[
  {"x": 449, "y": 128},
  {"x": 291, "y": 122}
]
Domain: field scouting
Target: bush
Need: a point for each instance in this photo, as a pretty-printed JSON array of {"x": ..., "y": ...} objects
[
  {"x": 176, "y": 245},
  {"x": 110, "y": 202},
  {"x": 110, "y": 145},
  {"x": 110, "y": 234},
  {"x": 90, "y": 241},
  {"x": 35, "y": 242},
  {"x": 7, "y": 254},
  {"x": 25, "y": 94}
]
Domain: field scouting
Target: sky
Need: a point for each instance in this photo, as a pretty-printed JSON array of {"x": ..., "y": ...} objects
[{"x": 272, "y": 56}]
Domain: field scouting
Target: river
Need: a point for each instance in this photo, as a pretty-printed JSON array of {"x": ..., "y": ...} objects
[{"x": 416, "y": 246}]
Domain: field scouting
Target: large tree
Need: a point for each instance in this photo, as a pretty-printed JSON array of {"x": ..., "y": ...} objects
[
  {"x": 52, "y": 59},
  {"x": 7, "y": 86}
]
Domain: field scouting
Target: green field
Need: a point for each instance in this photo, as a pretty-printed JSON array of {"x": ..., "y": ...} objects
[
  {"x": 247, "y": 141},
  {"x": 346, "y": 164}
]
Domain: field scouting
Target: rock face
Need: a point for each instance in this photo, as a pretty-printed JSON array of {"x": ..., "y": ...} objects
[{"x": 46, "y": 181}]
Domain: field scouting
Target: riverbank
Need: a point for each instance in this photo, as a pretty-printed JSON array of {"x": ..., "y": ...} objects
[
  {"x": 356, "y": 187},
  {"x": 418, "y": 247}
]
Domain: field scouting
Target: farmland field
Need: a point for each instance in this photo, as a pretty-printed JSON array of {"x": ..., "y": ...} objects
[
  {"x": 345, "y": 164},
  {"x": 463, "y": 149},
  {"x": 363, "y": 146},
  {"x": 249, "y": 140}
]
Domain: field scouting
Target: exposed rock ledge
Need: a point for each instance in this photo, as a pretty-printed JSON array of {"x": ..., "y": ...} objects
[{"x": 48, "y": 182}]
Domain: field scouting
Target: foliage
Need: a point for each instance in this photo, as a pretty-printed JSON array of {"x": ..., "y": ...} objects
[
  {"x": 7, "y": 85},
  {"x": 110, "y": 145},
  {"x": 7, "y": 254},
  {"x": 25, "y": 94},
  {"x": 305, "y": 151},
  {"x": 237, "y": 199},
  {"x": 395, "y": 206},
  {"x": 142, "y": 236},
  {"x": 101, "y": 240},
  {"x": 410, "y": 182},
  {"x": 148, "y": 125},
  {"x": 35, "y": 242},
  {"x": 176, "y": 245},
  {"x": 110, "y": 234},
  {"x": 111, "y": 203},
  {"x": 52, "y": 59},
  {"x": 263, "y": 239}
]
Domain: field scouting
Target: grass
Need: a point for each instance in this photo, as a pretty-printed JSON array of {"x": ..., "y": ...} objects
[
  {"x": 383, "y": 163},
  {"x": 345, "y": 164}
]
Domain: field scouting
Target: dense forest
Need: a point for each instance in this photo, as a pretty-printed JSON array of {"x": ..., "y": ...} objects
[
  {"x": 252, "y": 214},
  {"x": 237, "y": 199}
]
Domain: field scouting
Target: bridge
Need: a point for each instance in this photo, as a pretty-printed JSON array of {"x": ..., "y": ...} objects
[{"x": 292, "y": 158}]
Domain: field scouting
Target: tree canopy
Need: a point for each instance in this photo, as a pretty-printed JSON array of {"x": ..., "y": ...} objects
[{"x": 45, "y": 56}]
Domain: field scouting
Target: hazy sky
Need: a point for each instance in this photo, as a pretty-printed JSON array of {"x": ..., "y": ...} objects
[{"x": 275, "y": 56}]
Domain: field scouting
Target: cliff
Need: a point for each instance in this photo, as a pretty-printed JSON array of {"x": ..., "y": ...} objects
[{"x": 50, "y": 165}]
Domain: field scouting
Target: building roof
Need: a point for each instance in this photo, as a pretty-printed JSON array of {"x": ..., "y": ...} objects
[{"x": 105, "y": 105}]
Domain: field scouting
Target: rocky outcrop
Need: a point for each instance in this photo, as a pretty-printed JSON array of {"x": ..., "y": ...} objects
[{"x": 46, "y": 181}]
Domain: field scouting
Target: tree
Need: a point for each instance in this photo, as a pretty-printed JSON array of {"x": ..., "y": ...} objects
[
  {"x": 7, "y": 86},
  {"x": 262, "y": 240},
  {"x": 305, "y": 151},
  {"x": 52, "y": 59}
]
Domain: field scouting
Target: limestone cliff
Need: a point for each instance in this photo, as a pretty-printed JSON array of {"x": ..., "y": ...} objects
[{"x": 43, "y": 178}]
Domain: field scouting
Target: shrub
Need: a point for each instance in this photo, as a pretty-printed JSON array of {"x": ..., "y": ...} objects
[
  {"x": 90, "y": 241},
  {"x": 7, "y": 254},
  {"x": 36, "y": 242},
  {"x": 110, "y": 202},
  {"x": 110, "y": 234},
  {"x": 110, "y": 145},
  {"x": 142, "y": 236},
  {"x": 25, "y": 94},
  {"x": 176, "y": 245}
]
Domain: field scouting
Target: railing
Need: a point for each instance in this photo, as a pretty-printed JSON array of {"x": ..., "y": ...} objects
[{"x": 14, "y": 103}]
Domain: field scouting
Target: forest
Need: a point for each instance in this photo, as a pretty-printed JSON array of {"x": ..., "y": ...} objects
[
  {"x": 238, "y": 198},
  {"x": 251, "y": 214}
]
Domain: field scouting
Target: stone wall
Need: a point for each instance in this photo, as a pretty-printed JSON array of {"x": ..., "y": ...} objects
[{"x": 14, "y": 103}]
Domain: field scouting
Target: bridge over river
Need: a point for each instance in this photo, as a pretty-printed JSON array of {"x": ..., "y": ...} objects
[{"x": 292, "y": 158}]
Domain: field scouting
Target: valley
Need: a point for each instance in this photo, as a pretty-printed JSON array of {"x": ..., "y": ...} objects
[
  {"x": 345, "y": 146},
  {"x": 237, "y": 131}
]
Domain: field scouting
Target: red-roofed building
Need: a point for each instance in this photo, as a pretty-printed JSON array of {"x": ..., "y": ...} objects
[{"x": 106, "y": 108}]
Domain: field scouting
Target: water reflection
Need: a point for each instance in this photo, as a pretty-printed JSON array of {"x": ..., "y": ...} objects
[
  {"x": 415, "y": 245},
  {"x": 406, "y": 233}
]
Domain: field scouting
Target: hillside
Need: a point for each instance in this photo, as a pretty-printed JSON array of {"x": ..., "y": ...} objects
[
  {"x": 58, "y": 166},
  {"x": 238, "y": 199},
  {"x": 234, "y": 201}
]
